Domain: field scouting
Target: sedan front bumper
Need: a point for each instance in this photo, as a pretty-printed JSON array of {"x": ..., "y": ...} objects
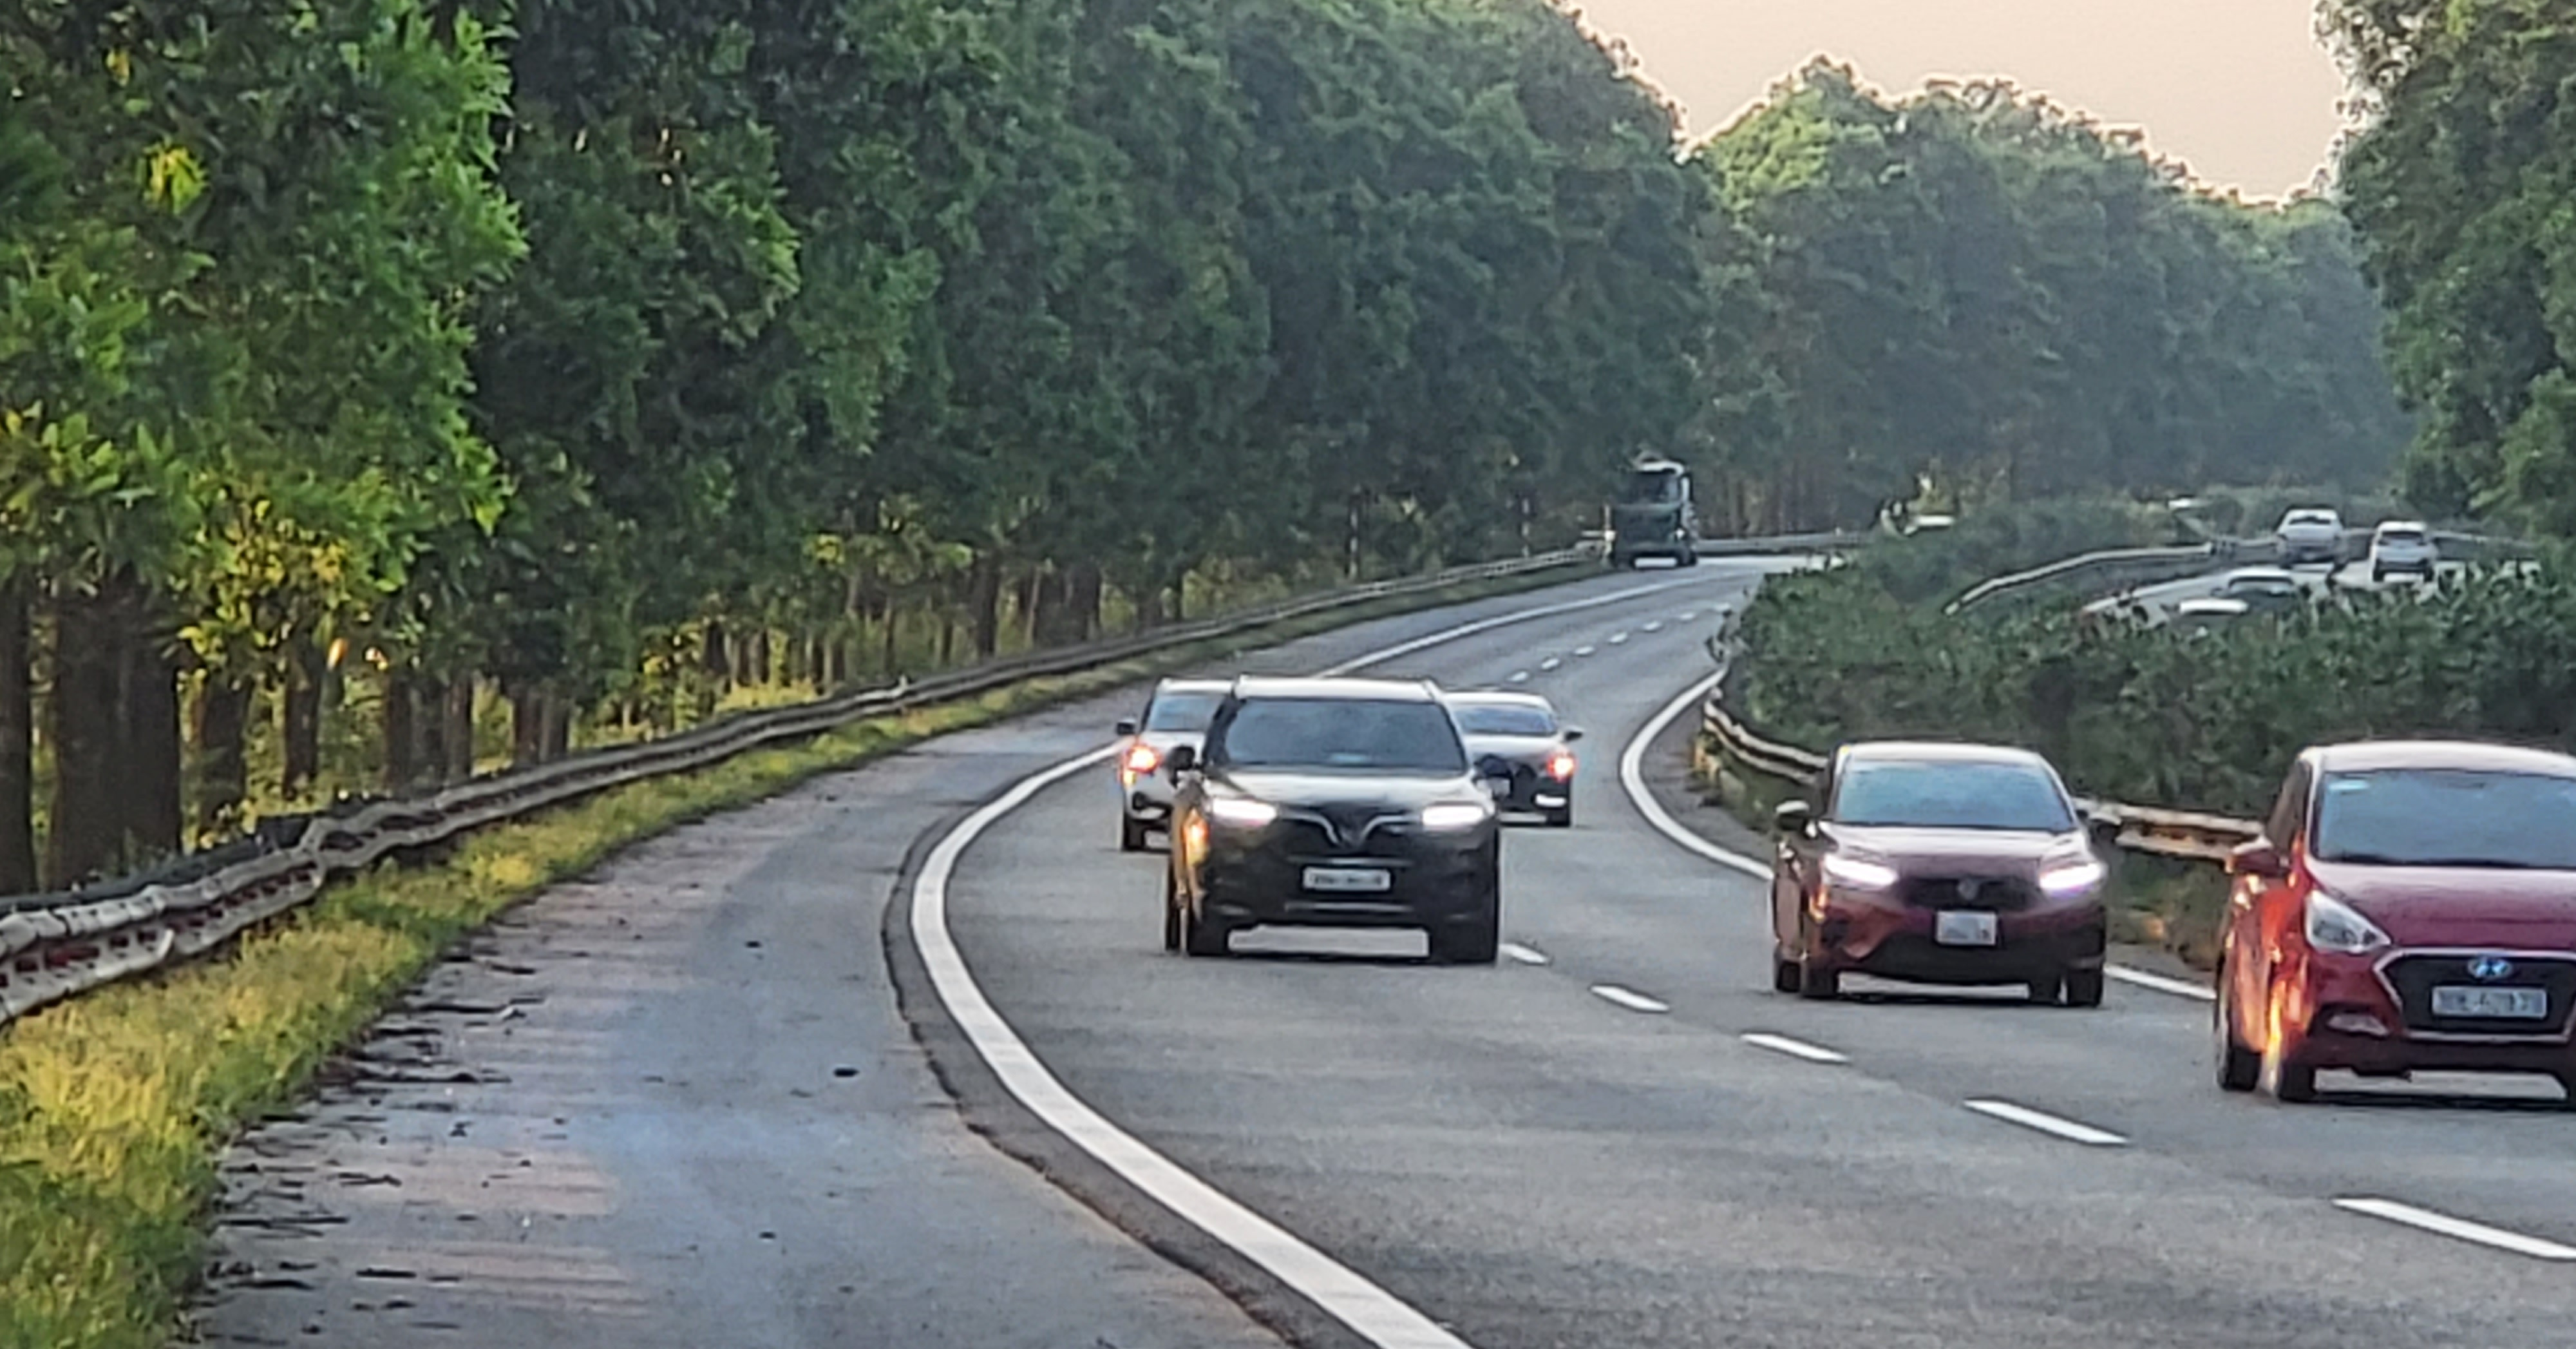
[{"x": 1900, "y": 943}]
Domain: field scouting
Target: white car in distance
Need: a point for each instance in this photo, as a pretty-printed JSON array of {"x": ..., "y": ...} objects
[
  {"x": 2310, "y": 534},
  {"x": 2402, "y": 546}
]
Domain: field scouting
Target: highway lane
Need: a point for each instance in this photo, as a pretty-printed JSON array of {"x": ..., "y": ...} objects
[
  {"x": 2163, "y": 596},
  {"x": 1589, "y": 1151}
]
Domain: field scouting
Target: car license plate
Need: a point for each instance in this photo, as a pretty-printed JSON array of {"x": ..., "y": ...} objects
[
  {"x": 2503, "y": 1004},
  {"x": 1349, "y": 880},
  {"x": 1964, "y": 927}
]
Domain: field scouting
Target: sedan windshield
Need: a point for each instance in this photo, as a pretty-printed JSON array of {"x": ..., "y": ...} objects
[
  {"x": 1181, "y": 712},
  {"x": 1497, "y": 720},
  {"x": 1355, "y": 734},
  {"x": 2447, "y": 817},
  {"x": 1922, "y": 794}
]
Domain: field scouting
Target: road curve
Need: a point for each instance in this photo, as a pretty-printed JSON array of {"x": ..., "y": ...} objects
[{"x": 1619, "y": 1136}]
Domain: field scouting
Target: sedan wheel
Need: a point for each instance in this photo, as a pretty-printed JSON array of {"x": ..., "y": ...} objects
[
  {"x": 2239, "y": 1068},
  {"x": 2044, "y": 991},
  {"x": 1784, "y": 972},
  {"x": 2084, "y": 988},
  {"x": 1171, "y": 912},
  {"x": 2290, "y": 1079}
]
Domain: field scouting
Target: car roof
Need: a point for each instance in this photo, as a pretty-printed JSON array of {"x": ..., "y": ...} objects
[
  {"x": 1216, "y": 686},
  {"x": 1498, "y": 698},
  {"x": 2363, "y": 756},
  {"x": 2262, "y": 574},
  {"x": 1330, "y": 686},
  {"x": 1939, "y": 751},
  {"x": 2311, "y": 513},
  {"x": 2417, "y": 526}
]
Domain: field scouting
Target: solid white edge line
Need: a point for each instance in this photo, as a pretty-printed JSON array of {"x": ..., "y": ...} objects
[
  {"x": 1796, "y": 1049},
  {"x": 1373, "y": 1313},
  {"x": 1632, "y": 777},
  {"x": 2180, "y": 988},
  {"x": 2071, "y": 1130},
  {"x": 1527, "y": 955},
  {"x": 2461, "y": 1228},
  {"x": 1628, "y": 997}
]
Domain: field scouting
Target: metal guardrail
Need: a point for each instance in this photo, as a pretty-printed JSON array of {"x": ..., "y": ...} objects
[
  {"x": 2115, "y": 560},
  {"x": 2152, "y": 830},
  {"x": 53, "y": 946}
]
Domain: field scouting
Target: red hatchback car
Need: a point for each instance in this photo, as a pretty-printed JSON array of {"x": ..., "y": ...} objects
[{"x": 2410, "y": 905}]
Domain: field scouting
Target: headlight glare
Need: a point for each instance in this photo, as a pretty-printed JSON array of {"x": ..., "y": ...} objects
[
  {"x": 2335, "y": 926},
  {"x": 2073, "y": 878},
  {"x": 1857, "y": 874},
  {"x": 1241, "y": 812},
  {"x": 1449, "y": 815}
]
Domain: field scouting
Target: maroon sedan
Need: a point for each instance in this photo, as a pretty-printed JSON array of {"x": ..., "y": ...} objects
[
  {"x": 2410, "y": 905},
  {"x": 1938, "y": 863}
]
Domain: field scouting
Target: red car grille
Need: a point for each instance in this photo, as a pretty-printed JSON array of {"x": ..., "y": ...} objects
[{"x": 2413, "y": 978}]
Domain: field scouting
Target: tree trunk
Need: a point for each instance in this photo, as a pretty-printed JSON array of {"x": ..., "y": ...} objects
[
  {"x": 527, "y": 725},
  {"x": 17, "y": 742},
  {"x": 984, "y": 606},
  {"x": 717, "y": 659},
  {"x": 401, "y": 732},
  {"x": 1025, "y": 598},
  {"x": 85, "y": 830},
  {"x": 223, "y": 774},
  {"x": 460, "y": 729},
  {"x": 308, "y": 670},
  {"x": 558, "y": 722},
  {"x": 148, "y": 729},
  {"x": 892, "y": 633},
  {"x": 947, "y": 641},
  {"x": 1083, "y": 602},
  {"x": 762, "y": 667},
  {"x": 429, "y": 724}
]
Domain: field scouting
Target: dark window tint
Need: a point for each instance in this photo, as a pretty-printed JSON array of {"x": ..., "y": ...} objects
[
  {"x": 1652, "y": 488},
  {"x": 1532, "y": 721},
  {"x": 1338, "y": 733},
  {"x": 2401, "y": 536},
  {"x": 2447, "y": 817},
  {"x": 1934, "y": 795},
  {"x": 1182, "y": 711}
]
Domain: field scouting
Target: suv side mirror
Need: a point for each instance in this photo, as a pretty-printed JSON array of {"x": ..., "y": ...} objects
[
  {"x": 2258, "y": 858},
  {"x": 1126, "y": 726},
  {"x": 1182, "y": 759},
  {"x": 1573, "y": 733},
  {"x": 1793, "y": 817}
]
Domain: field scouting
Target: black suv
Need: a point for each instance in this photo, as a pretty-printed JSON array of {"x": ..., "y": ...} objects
[{"x": 1332, "y": 803}]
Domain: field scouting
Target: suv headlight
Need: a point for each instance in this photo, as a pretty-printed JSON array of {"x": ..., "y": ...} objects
[
  {"x": 1447, "y": 816},
  {"x": 2335, "y": 926},
  {"x": 2073, "y": 878},
  {"x": 1858, "y": 874},
  {"x": 1241, "y": 812}
]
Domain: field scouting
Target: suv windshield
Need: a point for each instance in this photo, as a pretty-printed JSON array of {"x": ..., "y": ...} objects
[
  {"x": 2447, "y": 817},
  {"x": 1500, "y": 720},
  {"x": 2401, "y": 536},
  {"x": 1352, "y": 734},
  {"x": 1181, "y": 711},
  {"x": 2310, "y": 518},
  {"x": 1921, "y": 794}
]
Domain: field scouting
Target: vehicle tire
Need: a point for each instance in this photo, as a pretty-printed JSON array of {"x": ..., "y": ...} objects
[
  {"x": 1477, "y": 941},
  {"x": 2239, "y": 1068},
  {"x": 1820, "y": 983},
  {"x": 2084, "y": 988},
  {"x": 1131, "y": 833},
  {"x": 1784, "y": 973},
  {"x": 2567, "y": 1084},
  {"x": 2044, "y": 992},
  {"x": 2379, "y": 576},
  {"x": 1561, "y": 819},
  {"x": 1202, "y": 938},
  {"x": 2292, "y": 1081},
  {"x": 1688, "y": 557}
]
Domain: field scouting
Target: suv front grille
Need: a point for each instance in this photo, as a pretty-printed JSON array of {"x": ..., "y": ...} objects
[
  {"x": 2414, "y": 977},
  {"x": 1994, "y": 894}
]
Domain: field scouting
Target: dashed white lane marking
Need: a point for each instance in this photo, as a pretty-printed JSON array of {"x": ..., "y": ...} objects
[
  {"x": 1520, "y": 676},
  {"x": 2461, "y": 1228},
  {"x": 1551, "y": 662},
  {"x": 1378, "y": 1316},
  {"x": 1617, "y": 638},
  {"x": 2070, "y": 1130},
  {"x": 1654, "y": 625},
  {"x": 1689, "y": 614},
  {"x": 1585, "y": 650},
  {"x": 1629, "y": 998},
  {"x": 2180, "y": 988},
  {"x": 1527, "y": 955},
  {"x": 1632, "y": 777},
  {"x": 1796, "y": 1049}
]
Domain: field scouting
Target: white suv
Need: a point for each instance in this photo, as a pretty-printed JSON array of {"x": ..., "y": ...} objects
[
  {"x": 2401, "y": 546},
  {"x": 2310, "y": 534}
]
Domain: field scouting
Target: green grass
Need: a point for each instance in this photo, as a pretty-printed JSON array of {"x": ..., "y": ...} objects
[{"x": 116, "y": 1107}]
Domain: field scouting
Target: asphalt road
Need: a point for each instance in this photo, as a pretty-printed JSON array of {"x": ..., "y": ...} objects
[
  {"x": 623, "y": 1118},
  {"x": 2163, "y": 596}
]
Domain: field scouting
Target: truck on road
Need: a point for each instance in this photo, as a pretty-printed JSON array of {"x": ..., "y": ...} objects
[{"x": 1654, "y": 516}]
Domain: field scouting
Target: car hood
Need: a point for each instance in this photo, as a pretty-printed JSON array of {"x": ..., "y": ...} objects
[
  {"x": 1511, "y": 746},
  {"x": 1986, "y": 852},
  {"x": 1321, "y": 790},
  {"x": 1167, "y": 741},
  {"x": 2459, "y": 906}
]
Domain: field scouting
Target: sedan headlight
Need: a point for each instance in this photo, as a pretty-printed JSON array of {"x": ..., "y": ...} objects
[
  {"x": 1452, "y": 815},
  {"x": 2335, "y": 926},
  {"x": 2073, "y": 878},
  {"x": 1241, "y": 812},
  {"x": 1857, "y": 874}
]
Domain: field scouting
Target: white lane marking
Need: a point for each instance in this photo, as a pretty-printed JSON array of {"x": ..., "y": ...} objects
[
  {"x": 1689, "y": 614},
  {"x": 1796, "y": 1049},
  {"x": 1618, "y": 637},
  {"x": 1520, "y": 676},
  {"x": 1551, "y": 662},
  {"x": 2180, "y": 988},
  {"x": 1585, "y": 650},
  {"x": 2046, "y": 1123},
  {"x": 1632, "y": 776},
  {"x": 1654, "y": 625},
  {"x": 1527, "y": 955},
  {"x": 1375, "y": 1314},
  {"x": 2461, "y": 1228},
  {"x": 1629, "y": 998}
]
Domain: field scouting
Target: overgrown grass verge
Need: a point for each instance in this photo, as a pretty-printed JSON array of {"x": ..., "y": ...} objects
[{"x": 115, "y": 1107}]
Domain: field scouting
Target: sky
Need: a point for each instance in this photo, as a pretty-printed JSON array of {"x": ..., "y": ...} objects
[{"x": 2239, "y": 89}]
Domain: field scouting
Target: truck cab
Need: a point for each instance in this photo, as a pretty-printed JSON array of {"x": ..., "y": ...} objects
[{"x": 1654, "y": 516}]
